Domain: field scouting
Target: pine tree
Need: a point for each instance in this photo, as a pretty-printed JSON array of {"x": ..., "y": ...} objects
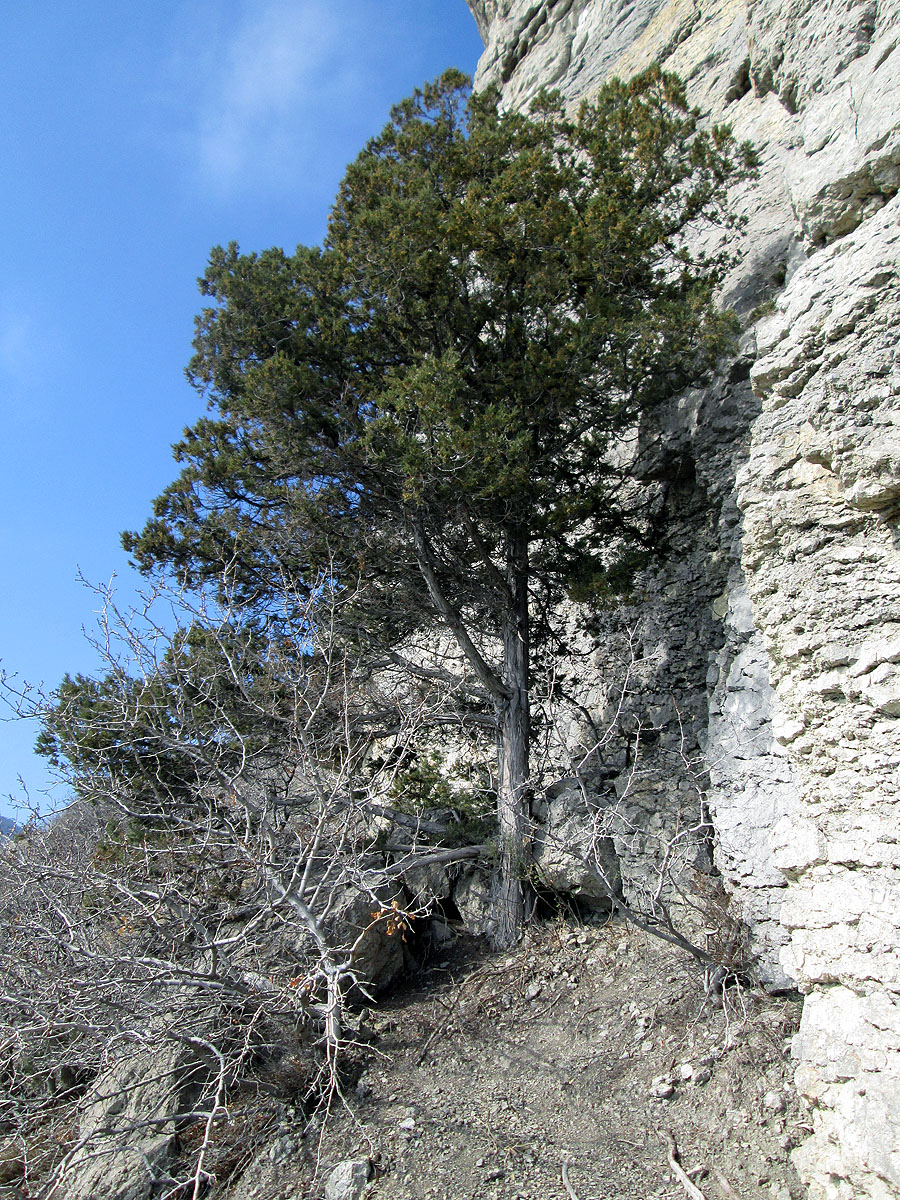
[{"x": 430, "y": 402}]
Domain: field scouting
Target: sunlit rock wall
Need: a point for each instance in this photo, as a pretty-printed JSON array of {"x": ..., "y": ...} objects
[{"x": 787, "y": 637}]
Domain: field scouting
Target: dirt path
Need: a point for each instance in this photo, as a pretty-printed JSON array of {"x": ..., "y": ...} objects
[{"x": 559, "y": 1070}]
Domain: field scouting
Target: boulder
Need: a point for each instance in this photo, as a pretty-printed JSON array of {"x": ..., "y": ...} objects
[
  {"x": 473, "y": 897},
  {"x": 573, "y": 852},
  {"x": 379, "y": 957},
  {"x": 122, "y": 1156},
  {"x": 348, "y": 1180}
]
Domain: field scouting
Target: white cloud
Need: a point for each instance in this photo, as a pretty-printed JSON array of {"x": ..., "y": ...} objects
[
  {"x": 30, "y": 342},
  {"x": 272, "y": 98},
  {"x": 32, "y": 345},
  {"x": 272, "y": 63},
  {"x": 261, "y": 90},
  {"x": 17, "y": 344}
]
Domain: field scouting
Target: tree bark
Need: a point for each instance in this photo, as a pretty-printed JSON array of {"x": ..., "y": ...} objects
[
  {"x": 510, "y": 692},
  {"x": 514, "y": 720}
]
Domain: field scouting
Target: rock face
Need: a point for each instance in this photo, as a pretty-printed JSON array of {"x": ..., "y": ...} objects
[
  {"x": 591, "y": 878},
  {"x": 127, "y": 1125},
  {"x": 776, "y": 620}
]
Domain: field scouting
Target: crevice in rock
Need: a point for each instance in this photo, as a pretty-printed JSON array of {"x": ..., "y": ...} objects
[
  {"x": 739, "y": 84},
  {"x": 536, "y": 17}
]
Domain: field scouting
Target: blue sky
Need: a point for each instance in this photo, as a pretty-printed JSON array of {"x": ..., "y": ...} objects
[{"x": 134, "y": 138}]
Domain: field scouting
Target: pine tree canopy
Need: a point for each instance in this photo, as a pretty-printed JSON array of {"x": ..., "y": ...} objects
[
  {"x": 431, "y": 412},
  {"x": 498, "y": 297}
]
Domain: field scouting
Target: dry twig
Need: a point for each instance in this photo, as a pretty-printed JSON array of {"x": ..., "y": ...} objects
[
  {"x": 678, "y": 1171},
  {"x": 725, "y": 1185},
  {"x": 565, "y": 1178},
  {"x": 479, "y": 973}
]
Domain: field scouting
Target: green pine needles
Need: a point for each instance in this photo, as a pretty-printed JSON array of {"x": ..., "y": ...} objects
[{"x": 426, "y": 409}]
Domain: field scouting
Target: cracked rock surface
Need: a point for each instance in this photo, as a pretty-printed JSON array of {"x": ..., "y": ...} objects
[{"x": 791, "y": 688}]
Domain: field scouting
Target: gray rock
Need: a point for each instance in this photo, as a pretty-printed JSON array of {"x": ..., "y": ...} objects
[
  {"x": 774, "y": 1102},
  {"x": 574, "y": 852},
  {"x": 121, "y": 1155},
  {"x": 427, "y": 884},
  {"x": 472, "y": 895},
  {"x": 379, "y": 955},
  {"x": 783, "y": 581},
  {"x": 348, "y": 1180}
]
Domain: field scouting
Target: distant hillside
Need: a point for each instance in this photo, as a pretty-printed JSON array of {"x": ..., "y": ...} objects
[{"x": 7, "y": 825}]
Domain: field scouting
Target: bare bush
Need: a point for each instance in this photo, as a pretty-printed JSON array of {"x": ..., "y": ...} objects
[
  {"x": 672, "y": 891},
  {"x": 252, "y": 800},
  {"x": 226, "y": 878}
]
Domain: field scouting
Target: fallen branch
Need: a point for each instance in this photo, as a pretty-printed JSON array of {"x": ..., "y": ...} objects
[
  {"x": 725, "y": 1185},
  {"x": 690, "y": 1188},
  {"x": 451, "y": 855},
  {"x": 565, "y": 1178}
]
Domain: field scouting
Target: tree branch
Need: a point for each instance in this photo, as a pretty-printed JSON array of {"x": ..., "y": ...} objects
[{"x": 495, "y": 686}]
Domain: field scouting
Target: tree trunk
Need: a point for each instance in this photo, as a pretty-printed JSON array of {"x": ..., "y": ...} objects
[
  {"x": 512, "y": 705},
  {"x": 514, "y": 714}
]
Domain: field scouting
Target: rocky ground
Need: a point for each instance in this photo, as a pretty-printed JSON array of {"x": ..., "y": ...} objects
[{"x": 562, "y": 1069}]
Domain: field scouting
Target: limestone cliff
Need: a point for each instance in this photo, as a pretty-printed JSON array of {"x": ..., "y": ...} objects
[{"x": 777, "y": 616}]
